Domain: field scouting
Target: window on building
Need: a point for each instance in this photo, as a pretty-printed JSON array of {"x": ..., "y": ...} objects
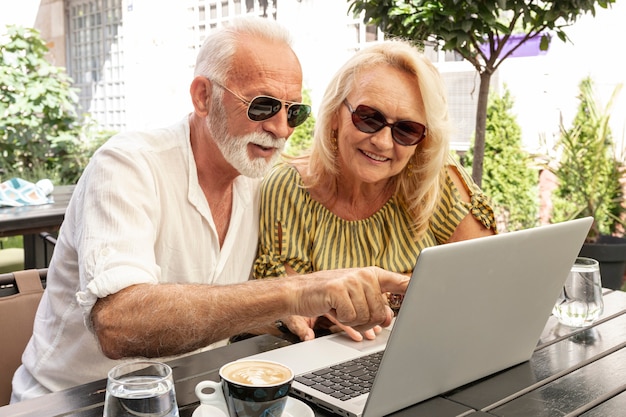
[
  {"x": 431, "y": 51},
  {"x": 363, "y": 34},
  {"x": 371, "y": 33},
  {"x": 221, "y": 11},
  {"x": 453, "y": 56},
  {"x": 95, "y": 59}
]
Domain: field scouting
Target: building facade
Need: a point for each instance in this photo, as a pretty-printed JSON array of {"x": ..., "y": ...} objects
[{"x": 133, "y": 59}]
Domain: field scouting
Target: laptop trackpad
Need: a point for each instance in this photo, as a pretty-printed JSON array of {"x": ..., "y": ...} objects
[
  {"x": 365, "y": 346},
  {"x": 323, "y": 351}
]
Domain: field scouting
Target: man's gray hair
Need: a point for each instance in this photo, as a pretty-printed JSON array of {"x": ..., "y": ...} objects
[{"x": 215, "y": 56}]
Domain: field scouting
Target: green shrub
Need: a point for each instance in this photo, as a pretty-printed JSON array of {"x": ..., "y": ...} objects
[
  {"x": 589, "y": 171},
  {"x": 41, "y": 135},
  {"x": 509, "y": 179}
]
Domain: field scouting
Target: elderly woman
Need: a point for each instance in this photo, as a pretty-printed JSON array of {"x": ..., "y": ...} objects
[{"x": 378, "y": 185}]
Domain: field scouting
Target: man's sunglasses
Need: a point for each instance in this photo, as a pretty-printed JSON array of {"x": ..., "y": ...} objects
[
  {"x": 369, "y": 120},
  {"x": 264, "y": 107}
]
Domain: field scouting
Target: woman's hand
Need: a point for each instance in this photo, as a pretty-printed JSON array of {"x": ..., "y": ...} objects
[
  {"x": 352, "y": 333},
  {"x": 304, "y": 327}
]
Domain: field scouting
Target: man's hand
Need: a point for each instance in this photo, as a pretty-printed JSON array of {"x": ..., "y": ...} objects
[{"x": 350, "y": 297}]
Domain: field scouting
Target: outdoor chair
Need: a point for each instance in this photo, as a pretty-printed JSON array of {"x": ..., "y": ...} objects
[
  {"x": 49, "y": 242},
  {"x": 20, "y": 293}
]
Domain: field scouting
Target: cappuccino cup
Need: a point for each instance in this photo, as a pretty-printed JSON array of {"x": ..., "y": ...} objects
[{"x": 247, "y": 388}]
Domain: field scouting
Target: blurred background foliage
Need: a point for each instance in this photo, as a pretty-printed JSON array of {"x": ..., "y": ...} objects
[
  {"x": 590, "y": 169},
  {"x": 41, "y": 134},
  {"x": 510, "y": 178}
]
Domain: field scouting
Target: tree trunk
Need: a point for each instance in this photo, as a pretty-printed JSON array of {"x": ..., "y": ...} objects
[{"x": 481, "y": 122}]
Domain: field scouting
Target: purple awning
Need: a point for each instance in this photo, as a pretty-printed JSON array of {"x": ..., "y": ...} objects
[{"x": 528, "y": 48}]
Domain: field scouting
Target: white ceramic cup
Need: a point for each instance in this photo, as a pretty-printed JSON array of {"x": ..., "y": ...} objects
[{"x": 580, "y": 302}]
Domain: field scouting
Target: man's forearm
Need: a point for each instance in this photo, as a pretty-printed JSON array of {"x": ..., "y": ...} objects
[{"x": 169, "y": 319}]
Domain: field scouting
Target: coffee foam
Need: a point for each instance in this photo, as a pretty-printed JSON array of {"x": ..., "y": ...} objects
[{"x": 257, "y": 373}]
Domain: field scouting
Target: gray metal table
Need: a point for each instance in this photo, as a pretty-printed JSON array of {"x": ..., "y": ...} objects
[
  {"x": 29, "y": 221},
  {"x": 572, "y": 372}
]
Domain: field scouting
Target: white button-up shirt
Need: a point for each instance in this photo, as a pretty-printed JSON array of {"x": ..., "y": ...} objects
[{"x": 137, "y": 215}]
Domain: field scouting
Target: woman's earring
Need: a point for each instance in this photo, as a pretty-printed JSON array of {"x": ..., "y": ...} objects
[
  {"x": 409, "y": 169},
  {"x": 333, "y": 141}
]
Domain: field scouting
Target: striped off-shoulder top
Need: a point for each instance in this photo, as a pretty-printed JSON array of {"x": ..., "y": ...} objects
[{"x": 299, "y": 231}]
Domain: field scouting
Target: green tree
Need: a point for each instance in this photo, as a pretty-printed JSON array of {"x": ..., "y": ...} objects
[
  {"x": 302, "y": 137},
  {"x": 479, "y": 31},
  {"x": 589, "y": 171},
  {"x": 41, "y": 136},
  {"x": 509, "y": 179}
]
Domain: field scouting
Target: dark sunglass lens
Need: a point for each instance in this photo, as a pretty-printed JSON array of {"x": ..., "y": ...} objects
[
  {"x": 262, "y": 108},
  {"x": 297, "y": 114},
  {"x": 408, "y": 133},
  {"x": 368, "y": 120}
]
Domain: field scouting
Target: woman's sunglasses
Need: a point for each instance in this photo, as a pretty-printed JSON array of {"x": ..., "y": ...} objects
[
  {"x": 369, "y": 120},
  {"x": 264, "y": 107}
]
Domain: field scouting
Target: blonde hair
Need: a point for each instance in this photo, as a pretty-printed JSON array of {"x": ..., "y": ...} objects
[{"x": 417, "y": 186}]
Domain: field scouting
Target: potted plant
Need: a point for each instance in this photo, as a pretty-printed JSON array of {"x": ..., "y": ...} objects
[{"x": 589, "y": 174}]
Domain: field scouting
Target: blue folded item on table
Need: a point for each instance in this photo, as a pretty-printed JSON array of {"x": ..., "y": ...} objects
[{"x": 18, "y": 192}]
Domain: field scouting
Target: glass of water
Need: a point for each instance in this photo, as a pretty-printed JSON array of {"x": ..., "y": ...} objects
[
  {"x": 143, "y": 388},
  {"x": 580, "y": 302}
]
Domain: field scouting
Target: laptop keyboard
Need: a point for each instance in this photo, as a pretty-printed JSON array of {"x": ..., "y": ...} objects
[{"x": 345, "y": 380}]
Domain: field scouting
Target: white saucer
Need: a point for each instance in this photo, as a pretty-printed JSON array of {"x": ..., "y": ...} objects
[
  {"x": 205, "y": 410},
  {"x": 294, "y": 408}
]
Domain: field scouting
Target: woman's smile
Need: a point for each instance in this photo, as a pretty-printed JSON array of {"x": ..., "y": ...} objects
[{"x": 375, "y": 157}]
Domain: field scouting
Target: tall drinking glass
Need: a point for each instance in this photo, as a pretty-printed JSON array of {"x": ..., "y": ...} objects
[
  {"x": 144, "y": 389},
  {"x": 580, "y": 302}
]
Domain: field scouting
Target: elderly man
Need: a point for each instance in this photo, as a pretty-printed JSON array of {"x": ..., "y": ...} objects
[{"x": 156, "y": 250}]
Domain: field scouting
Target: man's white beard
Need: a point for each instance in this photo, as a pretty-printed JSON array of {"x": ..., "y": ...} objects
[{"x": 235, "y": 148}]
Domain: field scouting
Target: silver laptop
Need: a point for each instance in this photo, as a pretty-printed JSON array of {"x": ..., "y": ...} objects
[{"x": 472, "y": 308}]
